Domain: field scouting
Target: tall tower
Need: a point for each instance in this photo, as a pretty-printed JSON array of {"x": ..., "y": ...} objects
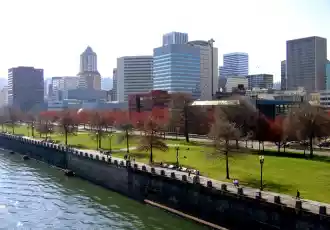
[
  {"x": 305, "y": 63},
  {"x": 89, "y": 77}
]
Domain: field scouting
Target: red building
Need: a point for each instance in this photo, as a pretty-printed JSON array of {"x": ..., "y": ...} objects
[{"x": 148, "y": 101}]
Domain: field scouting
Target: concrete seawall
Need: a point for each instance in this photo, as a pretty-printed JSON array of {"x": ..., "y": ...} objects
[{"x": 204, "y": 200}]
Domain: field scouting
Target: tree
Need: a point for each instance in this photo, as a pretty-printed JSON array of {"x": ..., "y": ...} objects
[
  {"x": 151, "y": 140},
  {"x": 31, "y": 121},
  {"x": 125, "y": 135},
  {"x": 222, "y": 132},
  {"x": 45, "y": 126},
  {"x": 67, "y": 124},
  {"x": 12, "y": 115},
  {"x": 98, "y": 125},
  {"x": 310, "y": 122},
  {"x": 179, "y": 112}
]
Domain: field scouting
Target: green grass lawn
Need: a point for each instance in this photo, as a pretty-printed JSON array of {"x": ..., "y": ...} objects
[{"x": 284, "y": 173}]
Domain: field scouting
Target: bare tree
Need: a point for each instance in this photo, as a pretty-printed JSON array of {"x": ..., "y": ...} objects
[
  {"x": 12, "y": 115},
  {"x": 45, "y": 126},
  {"x": 98, "y": 125},
  {"x": 151, "y": 140},
  {"x": 126, "y": 134},
  {"x": 310, "y": 122},
  {"x": 67, "y": 124},
  {"x": 222, "y": 132}
]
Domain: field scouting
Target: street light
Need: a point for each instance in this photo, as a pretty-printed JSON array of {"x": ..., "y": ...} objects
[
  {"x": 262, "y": 160},
  {"x": 210, "y": 42},
  {"x": 177, "y": 155}
]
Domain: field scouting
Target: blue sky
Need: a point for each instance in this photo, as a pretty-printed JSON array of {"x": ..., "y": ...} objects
[{"x": 51, "y": 34}]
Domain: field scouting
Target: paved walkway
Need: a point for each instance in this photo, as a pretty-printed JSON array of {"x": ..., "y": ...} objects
[{"x": 287, "y": 200}]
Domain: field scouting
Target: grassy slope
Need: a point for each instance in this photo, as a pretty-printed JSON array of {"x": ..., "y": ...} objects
[{"x": 281, "y": 174}]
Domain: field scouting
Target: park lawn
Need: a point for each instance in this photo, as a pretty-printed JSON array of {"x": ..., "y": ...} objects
[{"x": 281, "y": 174}]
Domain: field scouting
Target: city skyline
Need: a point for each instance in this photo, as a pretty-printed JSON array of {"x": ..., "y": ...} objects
[{"x": 55, "y": 43}]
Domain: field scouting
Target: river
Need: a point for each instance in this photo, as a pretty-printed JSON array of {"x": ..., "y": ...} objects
[{"x": 34, "y": 195}]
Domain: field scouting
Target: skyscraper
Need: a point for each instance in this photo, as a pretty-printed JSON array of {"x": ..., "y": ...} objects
[
  {"x": 25, "y": 88},
  {"x": 114, "y": 85},
  {"x": 327, "y": 67},
  {"x": 177, "y": 68},
  {"x": 206, "y": 59},
  {"x": 175, "y": 38},
  {"x": 283, "y": 75},
  {"x": 235, "y": 64},
  {"x": 262, "y": 81},
  {"x": 305, "y": 63},
  {"x": 89, "y": 77},
  {"x": 134, "y": 76}
]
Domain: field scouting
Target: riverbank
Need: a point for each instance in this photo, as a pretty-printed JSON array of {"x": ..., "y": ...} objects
[
  {"x": 210, "y": 200},
  {"x": 283, "y": 172}
]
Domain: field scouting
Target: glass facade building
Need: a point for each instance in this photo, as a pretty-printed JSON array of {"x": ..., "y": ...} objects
[
  {"x": 175, "y": 38},
  {"x": 327, "y": 74},
  {"x": 235, "y": 64},
  {"x": 176, "y": 68}
]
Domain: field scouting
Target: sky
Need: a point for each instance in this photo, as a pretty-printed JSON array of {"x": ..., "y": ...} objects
[{"x": 51, "y": 34}]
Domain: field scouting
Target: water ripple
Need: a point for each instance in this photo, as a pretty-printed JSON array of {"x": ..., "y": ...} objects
[{"x": 36, "y": 196}]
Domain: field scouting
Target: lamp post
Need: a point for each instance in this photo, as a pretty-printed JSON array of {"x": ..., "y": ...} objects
[
  {"x": 261, "y": 159},
  {"x": 210, "y": 42},
  {"x": 177, "y": 155}
]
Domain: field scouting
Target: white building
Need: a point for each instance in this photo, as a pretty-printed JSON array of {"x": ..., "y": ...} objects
[
  {"x": 114, "y": 85},
  {"x": 4, "y": 96},
  {"x": 234, "y": 81},
  {"x": 61, "y": 85},
  {"x": 134, "y": 75},
  {"x": 206, "y": 68}
]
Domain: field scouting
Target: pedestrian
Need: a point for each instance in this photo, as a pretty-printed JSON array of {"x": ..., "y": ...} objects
[
  {"x": 236, "y": 183},
  {"x": 298, "y": 195},
  {"x": 189, "y": 172}
]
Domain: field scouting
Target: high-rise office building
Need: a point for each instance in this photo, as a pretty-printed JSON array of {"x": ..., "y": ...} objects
[
  {"x": 61, "y": 85},
  {"x": 175, "y": 38},
  {"x": 89, "y": 77},
  {"x": 262, "y": 81},
  {"x": 283, "y": 76},
  {"x": 209, "y": 70},
  {"x": 305, "y": 63},
  {"x": 235, "y": 64},
  {"x": 114, "y": 85},
  {"x": 134, "y": 76},
  {"x": 25, "y": 88},
  {"x": 177, "y": 68},
  {"x": 327, "y": 73}
]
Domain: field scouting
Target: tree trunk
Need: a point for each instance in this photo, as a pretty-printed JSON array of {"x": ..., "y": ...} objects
[
  {"x": 227, "y": 161},
  {"x": 151, "y": 155},
  {"x": 127, "y": 143},
  {"x": 66, "y": 138},
  {"x": 278, "y": 148},
  {"x": 259, "y": 146},
  {"x": 100, "y": 140},
  {"x": 263, "y": 146},
  {"x": 246, "y": 143},
  {"x": 186, "y": 130},
  {"x": 311, "y": 146},
  {"x": 13, "y": 128},
  {"x": 237, "y": 144}
]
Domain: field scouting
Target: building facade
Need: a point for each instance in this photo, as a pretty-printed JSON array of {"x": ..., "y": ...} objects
[
  {"x": 234, "y": 83},
  {"x": 263, "y": 81},
  {"x": 327, "y": 74},
  {"x": 25, "y": 88},
  {"x": 177, "y": 68},
  {"x": 134, "y": 76},
  {"x": 61, "y": 85},
  {"x": 4, "y": 96},
  {"x": 209, "y": 70},
  {"x": 283, "y": 76},
  {"x": 305, "y": 63},
  {"x": 175, "y": 38},
  {"x": 235, "y": 64},
  {"x": 114, "y": 85},
  {"x": 89, "y": 77}
]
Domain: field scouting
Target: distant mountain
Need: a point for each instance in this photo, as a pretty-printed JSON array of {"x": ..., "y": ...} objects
[
  {"x": 106, "y": 83},
  {"x": 3, "y": 82}
]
